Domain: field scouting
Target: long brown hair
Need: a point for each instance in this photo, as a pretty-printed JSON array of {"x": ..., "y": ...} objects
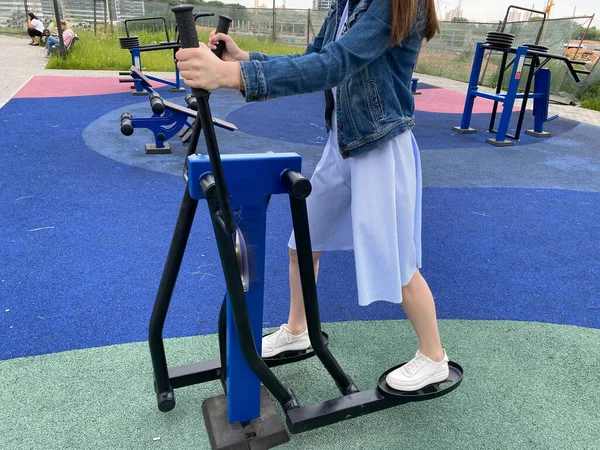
[{"x": 403, "y": 16}]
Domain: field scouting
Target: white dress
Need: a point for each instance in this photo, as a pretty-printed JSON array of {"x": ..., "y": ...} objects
[{"x": 371, "y": 204}]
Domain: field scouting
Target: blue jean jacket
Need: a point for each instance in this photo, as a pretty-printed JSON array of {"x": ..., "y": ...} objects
[{"x": 372, "y": 75}]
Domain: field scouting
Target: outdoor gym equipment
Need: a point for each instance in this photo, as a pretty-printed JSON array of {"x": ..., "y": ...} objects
[
  {"x": 534, "y": 56},
  {"x": 245, "y": 417},
  {"x": 168, "y": 119},
  {"x": 132, "y": 43}
]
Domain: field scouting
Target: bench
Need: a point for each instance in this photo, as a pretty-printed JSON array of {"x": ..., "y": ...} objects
[{"x": 56, "y": 48}]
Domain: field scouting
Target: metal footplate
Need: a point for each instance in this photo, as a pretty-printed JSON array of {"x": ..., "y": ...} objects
[{"x": 309, "y": 417}]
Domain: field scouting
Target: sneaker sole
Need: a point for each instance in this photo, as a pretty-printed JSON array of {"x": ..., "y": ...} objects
[
  {"x": 287, "y": 348},
  {"x": 415, "y": 387}
]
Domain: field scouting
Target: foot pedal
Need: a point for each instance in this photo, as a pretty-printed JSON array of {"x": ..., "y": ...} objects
[
  {"x": 428, "y": 392},
  {"x": 185, "y": 137},
  {"x": 293, "y": 356},
  {"x": 264, "y": 432}
]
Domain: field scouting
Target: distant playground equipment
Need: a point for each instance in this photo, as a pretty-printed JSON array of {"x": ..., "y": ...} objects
[
  {"x": 532, "y": 55},
  {"x": 132, "y": 43},
  {"x": 168, "y": 119},
  {"x": 413, "y": 86}
]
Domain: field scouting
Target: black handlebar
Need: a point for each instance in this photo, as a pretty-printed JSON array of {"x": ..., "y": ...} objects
[
  {"x": 543, "y": 13},
  {"x": 184, "y": 17},
  {"x": 146, "y": 19}
]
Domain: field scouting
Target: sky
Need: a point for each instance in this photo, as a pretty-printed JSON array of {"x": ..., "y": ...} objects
[{"x": 478, "y": 10}]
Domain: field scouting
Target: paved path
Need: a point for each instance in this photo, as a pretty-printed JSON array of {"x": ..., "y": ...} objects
[{"x": 21, "y": 61}]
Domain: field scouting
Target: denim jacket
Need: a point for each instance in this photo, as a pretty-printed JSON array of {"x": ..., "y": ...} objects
[{"x": 372, "y": 74}]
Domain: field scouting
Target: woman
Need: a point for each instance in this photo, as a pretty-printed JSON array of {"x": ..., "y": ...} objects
[
  {"x": 53, "y": 40},
  {"x": 35, "y": 28},
  {"x": 367, "y": 187}
]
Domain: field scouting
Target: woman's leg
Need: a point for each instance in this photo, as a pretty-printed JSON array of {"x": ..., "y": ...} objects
[
  {"x": 50, "y": 42},
  {"x": 419, "y": 306},
  {"x": 297, "y": 319},
  {"x": 31, "y": 35}
]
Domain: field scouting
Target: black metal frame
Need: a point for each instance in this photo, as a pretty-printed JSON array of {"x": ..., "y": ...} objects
[
  {"x": 353, "y": 402},
  {"x": 543, "y": 13}
]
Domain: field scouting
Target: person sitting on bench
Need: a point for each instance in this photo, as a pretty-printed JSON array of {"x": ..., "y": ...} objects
[{"x": 53, "y": 40}]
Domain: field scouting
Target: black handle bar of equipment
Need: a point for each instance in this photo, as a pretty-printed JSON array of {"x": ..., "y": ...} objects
[
  {"x": 188, "y": 37},
  {"x": 539, "y": 36}
]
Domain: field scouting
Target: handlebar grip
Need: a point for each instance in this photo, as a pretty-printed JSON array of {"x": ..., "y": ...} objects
[
  {"x": 126, "y": 124},
  {"x": 191, "y": 102},
  {"x": 156, "y": 103},
  {"x": 222, "y": 27},
  {"x": 184, "y": 17}
]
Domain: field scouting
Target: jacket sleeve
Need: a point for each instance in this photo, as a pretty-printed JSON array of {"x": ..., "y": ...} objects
[{"x": 365, "y": 40}]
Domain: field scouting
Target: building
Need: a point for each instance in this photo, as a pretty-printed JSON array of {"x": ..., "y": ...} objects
[
  {"x": 514, "y": 16},
  {"x": 453, "y": 13},
  {"x": 321, "y": 4},
  {"x": 12, "y": 12}
]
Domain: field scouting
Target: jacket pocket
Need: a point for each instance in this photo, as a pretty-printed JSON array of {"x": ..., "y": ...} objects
[{"x": 374, "y": 100}]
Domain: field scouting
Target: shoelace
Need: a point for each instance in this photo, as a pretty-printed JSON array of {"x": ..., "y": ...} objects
[
  {"x": 287, "y": 334},
  {"x": 415, "y": 363}
]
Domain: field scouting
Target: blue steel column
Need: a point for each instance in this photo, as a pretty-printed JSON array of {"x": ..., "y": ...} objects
[
  {"x": 136, "y": 60},
  {"x": 509, "y": 99},
  {"x": 243, "y": 387},
  {"x": 540, "y": 103},
  {"x": 472, "y": 91}
]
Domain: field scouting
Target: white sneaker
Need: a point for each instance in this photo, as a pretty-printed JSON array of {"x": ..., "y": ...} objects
[
  {"x": 284, "y": 341},
  {"x": 418, "y": 373}
]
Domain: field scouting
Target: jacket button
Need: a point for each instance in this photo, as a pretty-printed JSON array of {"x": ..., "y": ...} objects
[{"x": 340, "y": 126}]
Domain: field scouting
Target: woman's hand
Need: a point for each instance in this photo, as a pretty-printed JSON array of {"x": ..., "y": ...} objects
[
  {"x": 231, "y": 51},
  {"x": 201, "y": 68}
]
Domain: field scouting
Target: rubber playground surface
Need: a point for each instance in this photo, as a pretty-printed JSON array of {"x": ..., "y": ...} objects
[{"x": 511, "y": 245}]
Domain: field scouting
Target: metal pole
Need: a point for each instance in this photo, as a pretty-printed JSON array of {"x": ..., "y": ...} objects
[
  {"x": 105, "y": 6},
  {"x": 63, "y": 53},
  {"x": 95, "y": 8},
  {"x": 26, "y": 7},
  {"x": 274, "y": 34},
  {"x": 308, "y": 28}
]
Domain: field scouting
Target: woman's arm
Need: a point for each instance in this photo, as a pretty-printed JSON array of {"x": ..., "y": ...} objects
[{"x": 365, "y": 41}]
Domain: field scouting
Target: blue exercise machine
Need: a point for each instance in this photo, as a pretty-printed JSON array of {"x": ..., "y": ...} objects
[
  {"x": 533, "y": 56},
  {"x": 168, "y": 119},
  {"x": 132, "y": 43},
  {"x": 237, "y": 189}
]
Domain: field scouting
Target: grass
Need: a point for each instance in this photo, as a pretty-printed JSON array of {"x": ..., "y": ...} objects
[
  {"x": 591, "y": 98},
  {"x": 103, "y": 52}
]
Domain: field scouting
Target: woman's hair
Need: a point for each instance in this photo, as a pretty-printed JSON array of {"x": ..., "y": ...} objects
[
  {"x": 32, "y": 16},
  {"x": 404, "y": 13},
  {"x": 63, "y": 22}
]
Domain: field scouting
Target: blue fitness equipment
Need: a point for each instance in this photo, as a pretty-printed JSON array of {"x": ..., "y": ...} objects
[
  {"x": 169, "y": 119},
  {"x": 237, "y": 189},
  {"x": 132, "y": 43},
  {"x": 413, "y": 86},
  {"x": 533, "y": 56}
]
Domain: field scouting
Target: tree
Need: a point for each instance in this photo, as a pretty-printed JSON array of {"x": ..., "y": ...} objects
[{"x": 460, "y": 19}]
